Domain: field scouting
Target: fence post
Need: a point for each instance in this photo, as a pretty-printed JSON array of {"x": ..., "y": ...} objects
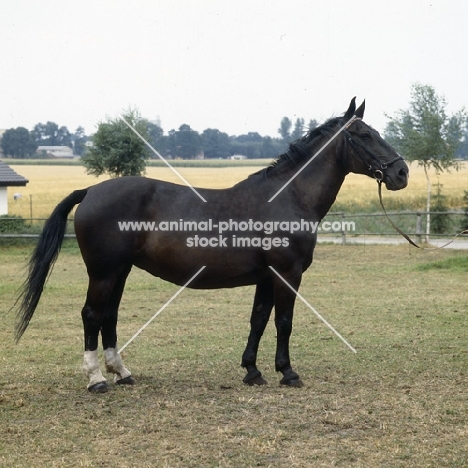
[
  {"x": 343, "y": 233},
  {"x": 418, "y": 227}
]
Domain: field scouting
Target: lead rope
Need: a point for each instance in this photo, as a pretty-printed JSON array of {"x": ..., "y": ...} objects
[{"x": 379, "y": 182}]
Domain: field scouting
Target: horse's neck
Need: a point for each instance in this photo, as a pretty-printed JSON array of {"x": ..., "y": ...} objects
[
  {"x": 312, "y": 192},
  {"x": 319, "y": 184}
]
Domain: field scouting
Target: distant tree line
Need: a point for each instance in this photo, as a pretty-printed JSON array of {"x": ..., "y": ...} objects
[
  {"x": 21, "y": 143},
  {"x": 184, "y": 143}
]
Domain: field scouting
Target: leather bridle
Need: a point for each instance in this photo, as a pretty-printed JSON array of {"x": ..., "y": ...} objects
[{"x": 373, "y": 163}]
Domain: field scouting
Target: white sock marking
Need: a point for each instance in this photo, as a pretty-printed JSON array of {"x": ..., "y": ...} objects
[
  {"x": 91, "y": 368},
  {"x": 115, "y": 365}
]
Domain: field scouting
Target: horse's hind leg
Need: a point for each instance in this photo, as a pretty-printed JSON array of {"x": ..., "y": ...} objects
[
  {"x": 261, "y": 311},
  {"x": 92, "y": 315},
  {"x": 100, "y": 314},
  {"x": 112, "y": 358}
]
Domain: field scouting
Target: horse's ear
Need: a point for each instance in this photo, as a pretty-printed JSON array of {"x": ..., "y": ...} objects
[
  {"x": 352, "y": 107},
  {"x": 360, "y": 110}
]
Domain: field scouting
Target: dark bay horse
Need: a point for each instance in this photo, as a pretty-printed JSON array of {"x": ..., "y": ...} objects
[{"x": 253, "y": 231}]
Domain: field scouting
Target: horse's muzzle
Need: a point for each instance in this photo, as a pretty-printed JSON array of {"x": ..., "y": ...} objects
[{"x": 396, "y": 176}]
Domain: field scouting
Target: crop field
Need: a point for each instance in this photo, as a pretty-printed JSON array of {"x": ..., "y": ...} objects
[
  {"x": 400, "y": 401},
  {"x": 50, "y": 184}
]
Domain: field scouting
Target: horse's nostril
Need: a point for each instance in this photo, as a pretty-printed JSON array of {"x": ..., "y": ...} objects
[{"x": 403, "y": 173}]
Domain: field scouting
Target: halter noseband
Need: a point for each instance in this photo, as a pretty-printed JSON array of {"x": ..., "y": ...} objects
[{"x": 381, "y": 167}]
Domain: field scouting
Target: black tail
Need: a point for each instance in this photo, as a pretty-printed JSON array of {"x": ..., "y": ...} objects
[{"x": 43, "y": 258}]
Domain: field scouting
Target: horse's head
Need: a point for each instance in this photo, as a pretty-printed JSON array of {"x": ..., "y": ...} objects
[{"x": 368, "y": 153}]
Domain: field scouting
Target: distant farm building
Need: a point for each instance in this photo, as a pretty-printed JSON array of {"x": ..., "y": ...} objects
[
  {"x": 56, "y": 151},
  {"x": 8, "y": 178}
]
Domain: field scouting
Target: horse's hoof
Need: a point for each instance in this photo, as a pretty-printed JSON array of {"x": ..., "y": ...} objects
[
  {"x": 292, "y": 382},
  {"x": 257, "y": 381},
  {"x": 100, "y": 387},
  {"x": 126, "y": 381},
  {"x": 254, "y": 378}
]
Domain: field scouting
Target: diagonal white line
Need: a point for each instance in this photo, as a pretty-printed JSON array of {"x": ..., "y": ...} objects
[
  {"x": 313, "y": 310},
  {"x": 160, "y": 157},
  {"x": 313, "y": 157},
  {"x": 162, "y": 308}
]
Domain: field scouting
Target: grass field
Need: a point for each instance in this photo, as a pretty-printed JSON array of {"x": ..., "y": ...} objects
[
  {"x": 50, "y": 184},
  {"x": 400, "y": 401}
]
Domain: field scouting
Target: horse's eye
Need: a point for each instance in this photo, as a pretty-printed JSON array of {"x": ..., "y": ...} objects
[{"x": 366, "y": 136}]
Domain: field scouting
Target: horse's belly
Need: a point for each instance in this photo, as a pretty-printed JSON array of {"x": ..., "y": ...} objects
[{"x": 218, "y": 268}]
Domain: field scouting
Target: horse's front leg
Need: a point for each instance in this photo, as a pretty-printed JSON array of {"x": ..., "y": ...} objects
[
  {"x": 261, "y": 311},
  {"x": 284, "y": 311}
]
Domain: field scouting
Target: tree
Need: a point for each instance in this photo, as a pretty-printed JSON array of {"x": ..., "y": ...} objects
[
  {"x": 285, "y": 129},
  {"x": 215, "y": 143},
  {"x": 64, "y": 137},
  {"x": 426, "y": 134},
  {"x": 463, "y": 149},
  {"x": 79, "y": 140},
  {"x": 249, "y": 145},
  {"x": 312, "y": 124},
  {"x": 464, "y": 221},
  {"x": 271, "y": 148},
  {"x": 298, "y": 131},
  {"x": 50, "y": 134},
  {"x": 440, "y": 220},
  {"x": 116, "y": 149},
  {"x": 18, "y": 143},
  {"x": 184, "y": 143},
  {"x": 157, "y": 139}
]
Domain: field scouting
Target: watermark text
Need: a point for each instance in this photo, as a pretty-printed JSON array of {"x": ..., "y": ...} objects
[{"x": 240, "y": 234}]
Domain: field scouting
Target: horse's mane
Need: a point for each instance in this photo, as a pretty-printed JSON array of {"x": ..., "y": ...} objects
[{"x": 299, "y": 150}]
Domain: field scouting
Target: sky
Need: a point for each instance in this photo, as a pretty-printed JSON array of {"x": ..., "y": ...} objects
[{"x": 238, "y": 66}]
